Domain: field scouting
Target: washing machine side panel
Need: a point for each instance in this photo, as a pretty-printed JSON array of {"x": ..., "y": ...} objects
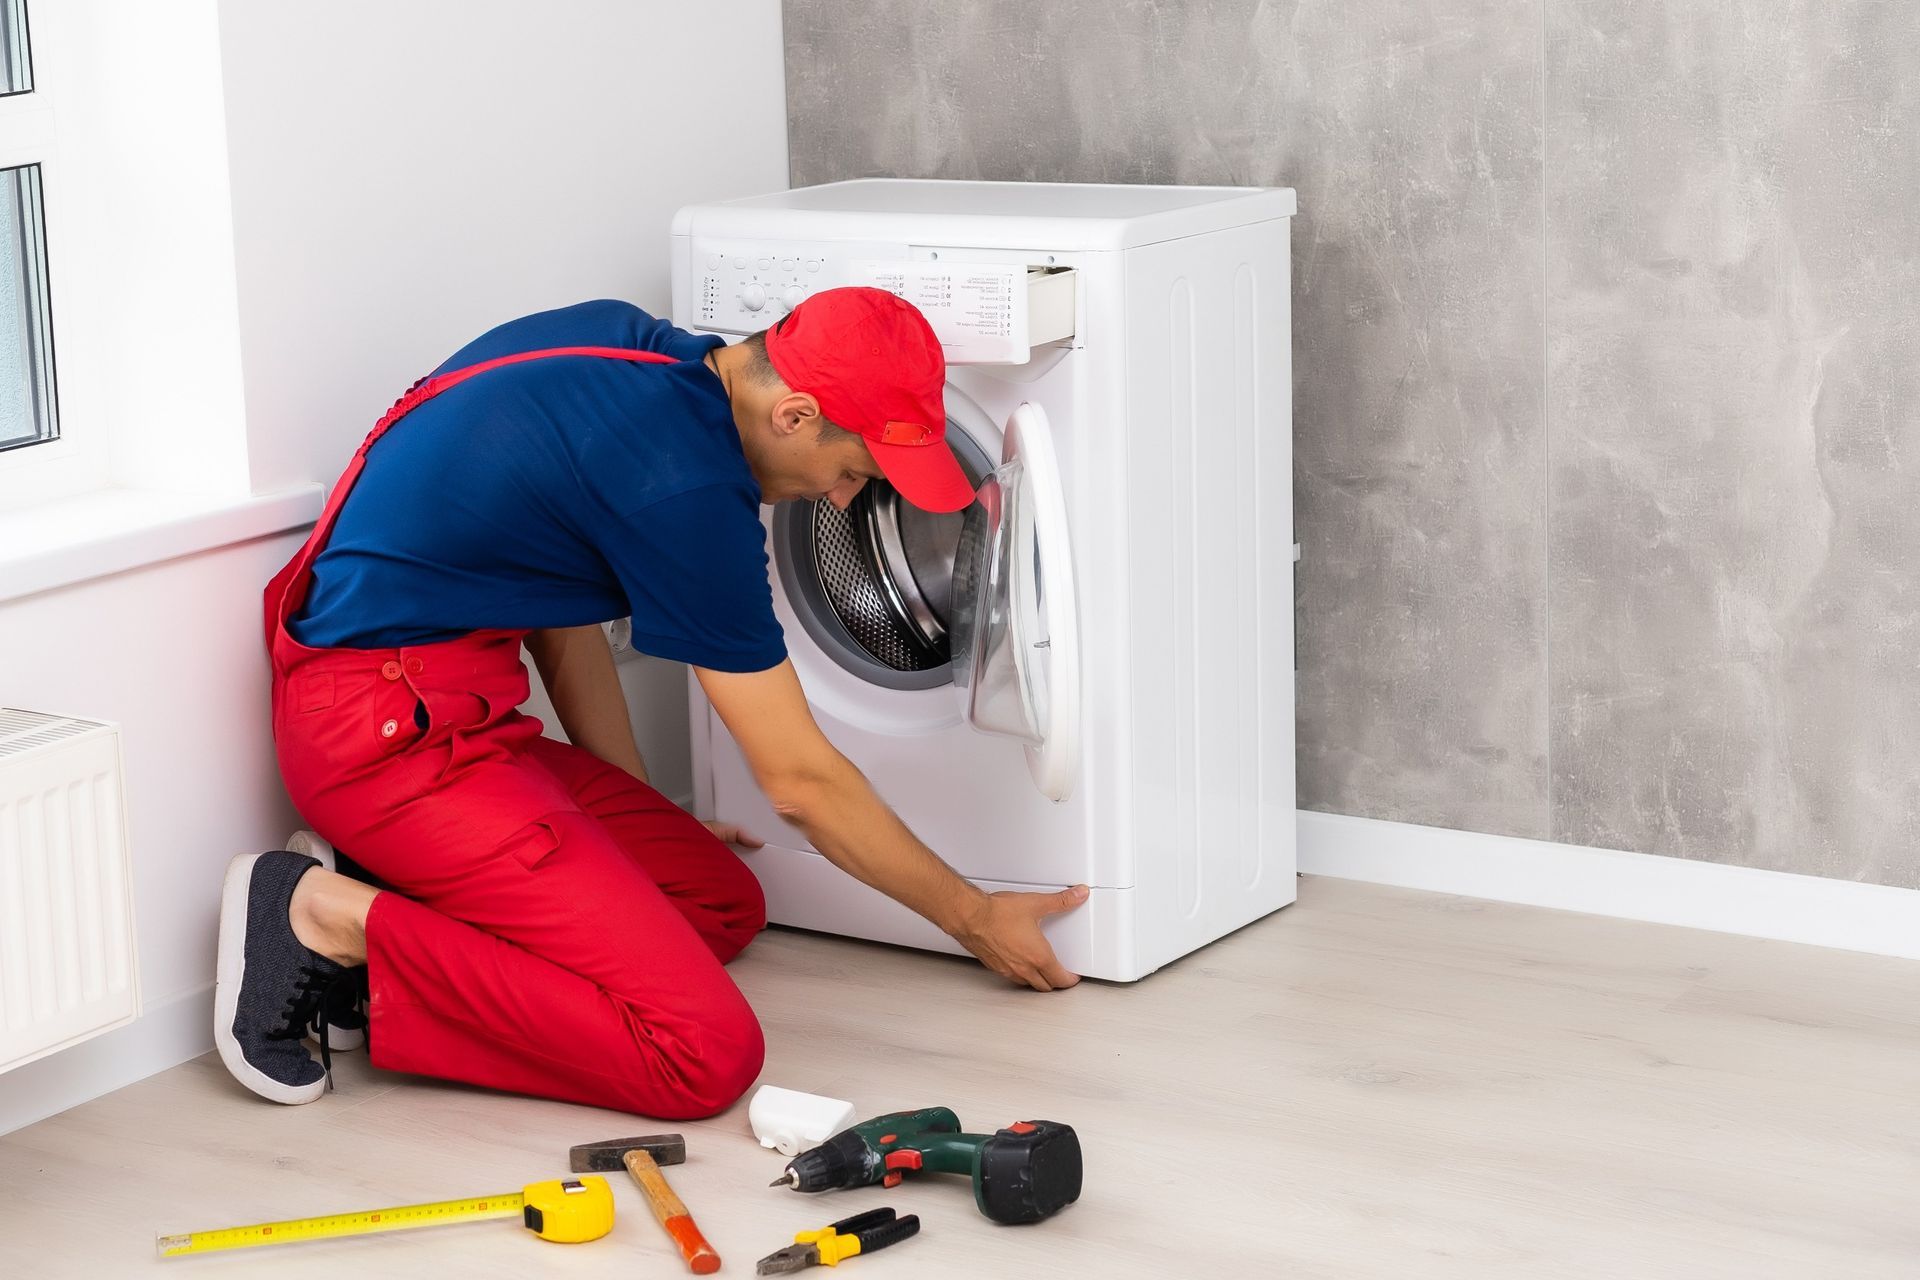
[
  {"x": 1264, "y": 310},
  {"x": 1209, "y": 450}
]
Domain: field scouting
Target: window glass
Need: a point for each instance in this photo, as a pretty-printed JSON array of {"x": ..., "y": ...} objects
[
  {"x": 16, "y": 61},
  {"x": 27, "y": 412}
]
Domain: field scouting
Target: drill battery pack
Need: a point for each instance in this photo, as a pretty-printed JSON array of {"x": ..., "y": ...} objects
[{"x": 1029, "y": 1171}]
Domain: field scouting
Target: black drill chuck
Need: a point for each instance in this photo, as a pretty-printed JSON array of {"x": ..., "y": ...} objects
[{"x": 842, "y": 1161}]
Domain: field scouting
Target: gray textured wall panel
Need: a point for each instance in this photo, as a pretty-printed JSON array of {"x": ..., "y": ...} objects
[
  {"x": 1412, "y": 132},
  {"x": 1735, "y": 431},
  {"x": 1606, "y": 399}
]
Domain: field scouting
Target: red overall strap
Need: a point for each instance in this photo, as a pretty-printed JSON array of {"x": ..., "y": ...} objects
[
  {"x": 427, "y": 388},
  {"x": 288, "y": 591}
]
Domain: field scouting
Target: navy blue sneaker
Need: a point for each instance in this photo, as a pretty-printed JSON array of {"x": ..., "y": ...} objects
[
  {"x": 269, "y": 988},
  {"x": 342, "y": 1021}
]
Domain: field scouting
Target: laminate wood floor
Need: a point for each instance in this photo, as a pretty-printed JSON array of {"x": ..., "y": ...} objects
[{"x": 1374, "y": 1082}]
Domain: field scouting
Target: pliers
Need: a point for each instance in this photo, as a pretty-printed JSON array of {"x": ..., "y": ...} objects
[{"x": 862, "y": 1233}]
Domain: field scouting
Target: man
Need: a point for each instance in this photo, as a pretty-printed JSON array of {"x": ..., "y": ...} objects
[{"x": 546, "y": 922}]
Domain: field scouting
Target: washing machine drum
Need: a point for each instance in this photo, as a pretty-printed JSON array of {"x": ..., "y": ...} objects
[
  {"x": 886, "y": 568},
  {"x": 874, "y": 584}
]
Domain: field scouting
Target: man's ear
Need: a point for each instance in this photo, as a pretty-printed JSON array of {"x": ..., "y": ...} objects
[{"x": 793, "y": 411}]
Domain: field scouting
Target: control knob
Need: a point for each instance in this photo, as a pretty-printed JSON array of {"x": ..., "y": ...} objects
[
  {"x": 793, "y": 297},
  {"x": 753, "y": 297}
]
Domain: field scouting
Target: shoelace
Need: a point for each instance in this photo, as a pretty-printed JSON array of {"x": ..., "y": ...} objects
[
  {"x": 315, "y": 1002},
  {"x": 344, "y": 1005}
]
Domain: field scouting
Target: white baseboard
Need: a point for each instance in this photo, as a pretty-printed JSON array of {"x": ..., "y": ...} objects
[
  {"x": 1845, "y": 914},
  {"x": 164, "y": 1036}
]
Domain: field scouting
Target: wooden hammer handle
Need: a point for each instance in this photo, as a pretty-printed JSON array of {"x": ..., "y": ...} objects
[{"x": 672, "y": 1213}]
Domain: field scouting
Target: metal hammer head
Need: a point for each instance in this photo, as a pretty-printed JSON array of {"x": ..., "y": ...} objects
[{"x": 606, "y": 1157}]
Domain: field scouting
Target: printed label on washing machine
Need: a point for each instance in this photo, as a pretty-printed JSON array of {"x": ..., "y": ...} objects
[{"x": 978, "y": 310}]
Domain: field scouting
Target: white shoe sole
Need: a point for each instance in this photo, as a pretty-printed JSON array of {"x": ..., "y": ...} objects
[
  {"x": 231, "y": 970},
  {"x": 339, "y": 1039}
]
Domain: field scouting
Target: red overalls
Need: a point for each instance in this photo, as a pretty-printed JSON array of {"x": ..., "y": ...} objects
[{"x": 559, "y": 926}]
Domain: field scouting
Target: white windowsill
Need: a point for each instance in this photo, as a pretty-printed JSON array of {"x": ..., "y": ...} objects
[{"x": 57, "y": 544}]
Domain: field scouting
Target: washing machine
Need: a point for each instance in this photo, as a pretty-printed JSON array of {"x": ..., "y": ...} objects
[{"x": 1087, "y": 677}]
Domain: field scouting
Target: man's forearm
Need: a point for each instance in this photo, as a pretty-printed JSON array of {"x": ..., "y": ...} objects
[
  {"x": 576, "y": 665},
  {"x": 847, "y": 822}
]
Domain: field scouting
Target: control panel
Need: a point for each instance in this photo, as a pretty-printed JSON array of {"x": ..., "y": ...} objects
[
  {"x": 982, "y": 312},
  {"x": 747, "y": 288}
]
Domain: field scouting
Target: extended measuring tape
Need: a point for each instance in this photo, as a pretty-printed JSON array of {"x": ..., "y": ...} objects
[{"x": 568, "y": 1211}]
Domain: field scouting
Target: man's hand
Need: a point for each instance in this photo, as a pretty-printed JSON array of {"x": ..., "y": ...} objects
[
  {"x": 728, "y": 833},
  {"x": 1005, "y": 933}
]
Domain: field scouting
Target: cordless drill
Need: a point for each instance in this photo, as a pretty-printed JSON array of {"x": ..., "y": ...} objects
[{"x": 1025, "y": 1172}]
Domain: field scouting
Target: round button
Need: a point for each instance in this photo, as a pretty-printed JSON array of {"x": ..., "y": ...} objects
[
  {"x": 753, "y": 297},
  {"x": 813, "y": 264},
  {"x": 793, "y": 297},
  {"x": 788, "y": 264},
  {"x": 390, "y": 728},
  {"x": 415, "y": 666},
  {"x": 739, "y": 264},
  {"x": 766, "y": 264},
  {"x": 390, "y": 669},
  {"x": 714, "y": 260}
]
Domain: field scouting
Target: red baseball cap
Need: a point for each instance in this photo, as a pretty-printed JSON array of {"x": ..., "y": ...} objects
[{"x": 871, "y": 360}]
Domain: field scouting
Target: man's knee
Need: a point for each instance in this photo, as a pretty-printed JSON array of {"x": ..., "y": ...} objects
[
  {"x": 740, "y": 1050},
  {"x": 705, "y": 1071}
]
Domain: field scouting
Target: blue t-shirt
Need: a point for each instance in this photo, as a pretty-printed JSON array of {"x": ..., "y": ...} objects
[{"x": 554, "y": 493}]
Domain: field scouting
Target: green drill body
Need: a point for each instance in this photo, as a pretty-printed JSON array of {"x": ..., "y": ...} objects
[{"x": 1022, "y": 1173}]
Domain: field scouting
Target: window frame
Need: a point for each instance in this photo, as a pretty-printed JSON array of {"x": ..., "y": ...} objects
[
  {"x": 76, "y": 459},
  {"x": 26, "y": 45},
  {"x": 41, "y": 304}
]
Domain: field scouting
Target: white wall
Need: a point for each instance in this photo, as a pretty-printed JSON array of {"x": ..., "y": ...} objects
[
  {"x": 407, "y": 176},
  {"x": 173, "y": 654},
  {"x": 140, "y": 253},
  {"x": 402, "y": 178}
]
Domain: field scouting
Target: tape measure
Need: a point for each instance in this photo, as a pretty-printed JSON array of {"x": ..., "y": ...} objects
[{"x": 568, "y": 1211}]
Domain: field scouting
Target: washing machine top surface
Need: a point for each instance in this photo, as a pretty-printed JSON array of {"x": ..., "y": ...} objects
[{"x": 1055, "y": 215}]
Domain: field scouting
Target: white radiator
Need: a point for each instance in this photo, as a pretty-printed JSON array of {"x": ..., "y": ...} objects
[{"x": 67, "y": 960}]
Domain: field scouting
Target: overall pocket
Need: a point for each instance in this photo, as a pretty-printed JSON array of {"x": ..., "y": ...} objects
[{"x": 532, "y": 844}]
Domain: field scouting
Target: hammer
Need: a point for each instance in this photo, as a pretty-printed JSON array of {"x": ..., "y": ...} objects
[{"x": 642, "y": 1157}]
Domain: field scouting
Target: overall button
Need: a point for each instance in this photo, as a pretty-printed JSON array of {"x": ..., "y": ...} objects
[
  {"x": 390, "y": 669},
  {"x": 390, "y": 728},
  {"x": 415, "y": 666}
]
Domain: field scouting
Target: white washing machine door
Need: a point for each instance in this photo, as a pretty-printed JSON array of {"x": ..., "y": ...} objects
[{"x": 1015, "y": 640}]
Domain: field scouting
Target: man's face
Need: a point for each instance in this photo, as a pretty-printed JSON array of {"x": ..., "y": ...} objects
[{"x": 804, "y": 465}]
